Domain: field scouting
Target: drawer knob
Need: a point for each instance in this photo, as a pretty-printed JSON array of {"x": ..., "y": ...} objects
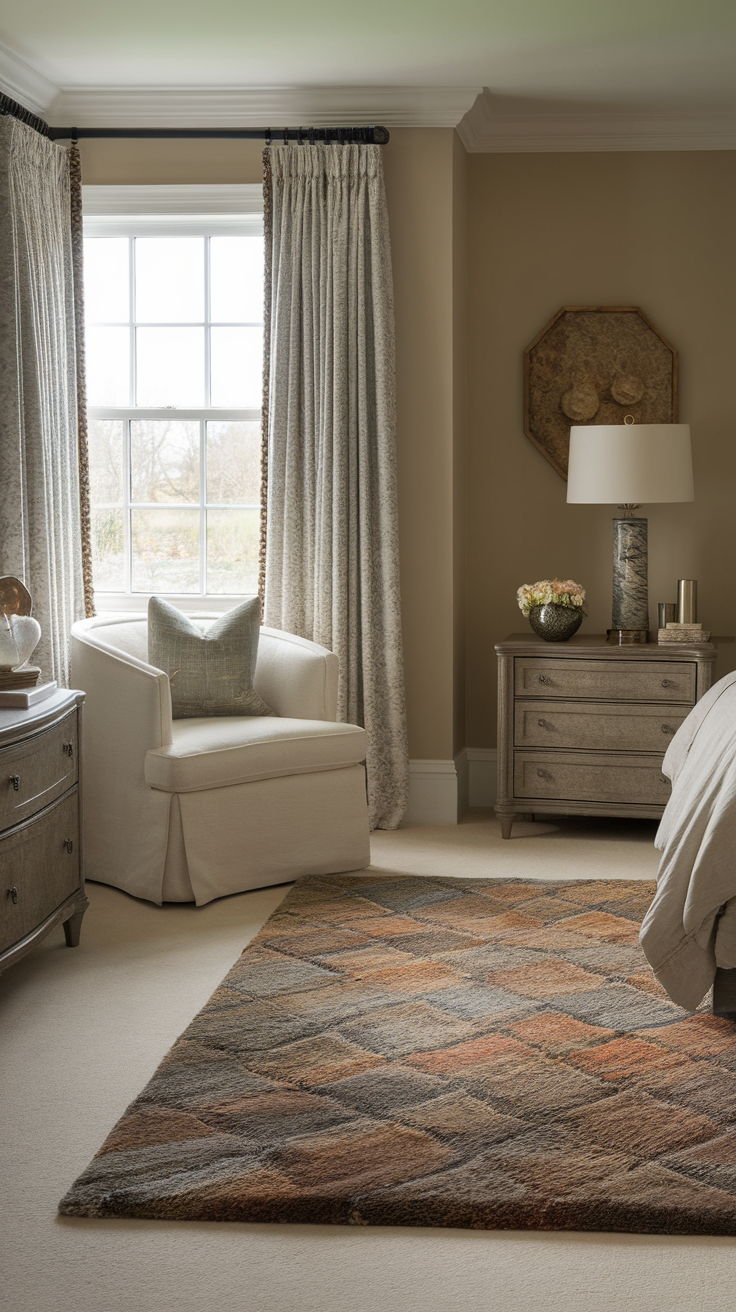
[
  {"x": 68, "y": 749},
  {"x": 15, "y": 781},
  {"x": 666, "y": 728},
  {"x": 13, "y": 895},
  {"x": 544, "y": 774},
  {"x": 668, "y": 683},
  {"x": 68, "y": 844},
  {"x": 543, "y": 724},
  {"x": 544, "y": 678}
]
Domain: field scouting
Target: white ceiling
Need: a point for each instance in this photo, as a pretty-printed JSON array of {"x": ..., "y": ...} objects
[{"x": 616, "y": 65}]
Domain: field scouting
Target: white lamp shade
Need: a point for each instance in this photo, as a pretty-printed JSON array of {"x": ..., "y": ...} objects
[{"x": 627, "y": 463}]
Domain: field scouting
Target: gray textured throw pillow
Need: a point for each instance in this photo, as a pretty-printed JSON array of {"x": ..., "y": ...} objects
[{"x": 210, "y": 673}]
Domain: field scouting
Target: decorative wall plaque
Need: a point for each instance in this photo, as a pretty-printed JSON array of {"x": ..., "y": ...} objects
[{"x": 595, "y": 364}]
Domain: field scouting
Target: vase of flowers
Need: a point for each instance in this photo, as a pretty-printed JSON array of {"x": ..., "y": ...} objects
[{"x": 554, "y": 607}]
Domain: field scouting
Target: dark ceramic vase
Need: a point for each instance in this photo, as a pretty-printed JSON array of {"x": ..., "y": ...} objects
[{"x": 555, "y": 623}]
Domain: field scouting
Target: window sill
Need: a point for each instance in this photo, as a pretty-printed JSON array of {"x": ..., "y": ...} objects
[{"x": 115, "y": 603}]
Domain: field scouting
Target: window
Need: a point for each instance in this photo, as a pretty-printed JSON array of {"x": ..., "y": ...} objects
[{"x": 174, "y": 331}]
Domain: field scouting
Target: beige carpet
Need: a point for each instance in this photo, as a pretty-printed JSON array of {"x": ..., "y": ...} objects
[{"x": 82, "y": 1030}]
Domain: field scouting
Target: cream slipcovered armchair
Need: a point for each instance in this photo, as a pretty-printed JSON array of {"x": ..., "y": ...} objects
[{"x": 189, "y": 810}]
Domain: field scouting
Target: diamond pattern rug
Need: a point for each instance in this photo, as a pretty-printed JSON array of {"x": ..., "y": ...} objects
[{"x": 437, "y": 1052}]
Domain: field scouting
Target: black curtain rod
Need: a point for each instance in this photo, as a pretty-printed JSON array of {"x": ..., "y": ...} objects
[
  {"x": 344, "y": 136},
  {"x": 376, "y": 136}
]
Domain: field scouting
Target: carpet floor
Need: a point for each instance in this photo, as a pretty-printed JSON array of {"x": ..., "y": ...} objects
[{"x": 437, "y": 1052}]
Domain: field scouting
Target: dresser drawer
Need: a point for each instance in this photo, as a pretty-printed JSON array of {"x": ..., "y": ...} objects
[
  {"x": 34, "y": 772},
  {"x": 607, "y": 726},
  {"x": 589, "y": 777},
  {"x": 600, "y": 680},
  {"x": 37, "y": 862}
]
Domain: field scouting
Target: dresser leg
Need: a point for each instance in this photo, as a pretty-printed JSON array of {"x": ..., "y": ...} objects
[
  {"x": 506, "y": 823},
  {"x": 73, "y": 926}
]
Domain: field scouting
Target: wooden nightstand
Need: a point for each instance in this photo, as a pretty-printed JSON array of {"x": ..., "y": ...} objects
[
  {"x": 41, "y": 880},
  {"x": 583, "y": 725}
]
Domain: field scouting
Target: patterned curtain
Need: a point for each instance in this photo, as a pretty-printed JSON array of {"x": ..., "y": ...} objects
[
  {"x": 39, "y": 476},
  {"x": 332, "y": 565},
  {"x": 85, "y": 516}
]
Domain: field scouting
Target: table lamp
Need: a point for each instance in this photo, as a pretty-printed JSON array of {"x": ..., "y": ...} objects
[{"x": 629, "y": 463}]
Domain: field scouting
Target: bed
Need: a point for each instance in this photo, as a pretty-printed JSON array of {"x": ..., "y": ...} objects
[{"x": 689, "y": 932}]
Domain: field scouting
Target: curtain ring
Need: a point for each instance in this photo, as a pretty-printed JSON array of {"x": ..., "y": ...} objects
[
  {"x": 286, "y": 135},
  {"x": 268, "y": 136}
]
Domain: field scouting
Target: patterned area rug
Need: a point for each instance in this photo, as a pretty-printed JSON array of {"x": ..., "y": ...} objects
[{"x": 437, "y": 1052}]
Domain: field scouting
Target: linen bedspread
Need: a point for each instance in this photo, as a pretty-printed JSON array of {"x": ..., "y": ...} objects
[{"x": 690, "y": 927}]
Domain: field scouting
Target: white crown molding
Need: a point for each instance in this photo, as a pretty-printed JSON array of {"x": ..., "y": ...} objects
[
  {"x": 22, "y": 83},
  {"x": 233, "y": 107},
  {"x": 492, "y": 126}
]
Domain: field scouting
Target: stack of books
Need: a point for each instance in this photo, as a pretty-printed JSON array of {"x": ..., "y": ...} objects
[
  {"x": 690, "y": 633},
  {"x": 25, "y": 677},
  {"x": 20, "y": 689}
]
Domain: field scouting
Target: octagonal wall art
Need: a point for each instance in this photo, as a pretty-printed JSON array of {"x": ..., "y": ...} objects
[{"x": 596, "y": 364}]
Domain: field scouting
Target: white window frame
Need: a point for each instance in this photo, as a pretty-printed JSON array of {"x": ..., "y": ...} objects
[{"x": 137, "y": 211}]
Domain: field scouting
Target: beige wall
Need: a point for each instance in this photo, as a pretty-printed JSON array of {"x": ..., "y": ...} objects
[
  {"x": 655, "y": 230},
  {"x": 420, "y": 165},
  {"x": 424, "y": 183}
]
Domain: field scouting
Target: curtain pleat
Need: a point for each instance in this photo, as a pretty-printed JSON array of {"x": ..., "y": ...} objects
[
  {"x": 39, "y": 474},
  {"x": 85, "y": 518},
  {"x": 332, "y": 564}
]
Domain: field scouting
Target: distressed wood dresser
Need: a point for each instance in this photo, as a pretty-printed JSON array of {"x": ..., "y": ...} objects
[
  {"x": 583, "y": 725},
  {"x": 41, "y": 880}
]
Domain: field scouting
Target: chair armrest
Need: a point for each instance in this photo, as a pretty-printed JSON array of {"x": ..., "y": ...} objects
[
  {"x": 128, "y": 701},
  {"x": 296, "y": 677},
  {"x": 127, "y": 712}
]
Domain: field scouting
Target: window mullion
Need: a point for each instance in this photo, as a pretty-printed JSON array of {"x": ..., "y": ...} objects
[
  {"x": 133, "y": 360},
  {"x": 202, "y": 424},
  {"x": 202, "y": 508},
  {"x": 207, "y": 326},
  {"x": 127, "y": 524}
]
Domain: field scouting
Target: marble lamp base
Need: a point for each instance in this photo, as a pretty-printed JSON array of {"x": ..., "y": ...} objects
[{"x": 630, "y": 614}]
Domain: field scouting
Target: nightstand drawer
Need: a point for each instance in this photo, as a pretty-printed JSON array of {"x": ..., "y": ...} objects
[
  {"x": 613, "y": 727},
  {"x": 615, "y": 680},
  {"x": 34, "y": 772},
  {"x": 50, "y": 845},
  {"x": 589, "y": 777}
]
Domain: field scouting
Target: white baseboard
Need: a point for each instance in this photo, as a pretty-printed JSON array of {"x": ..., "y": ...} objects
[
  {"x": 432, "y": 793},
  {"x": 463, "y": 783},
  {"x": 440, "y": 792}
]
